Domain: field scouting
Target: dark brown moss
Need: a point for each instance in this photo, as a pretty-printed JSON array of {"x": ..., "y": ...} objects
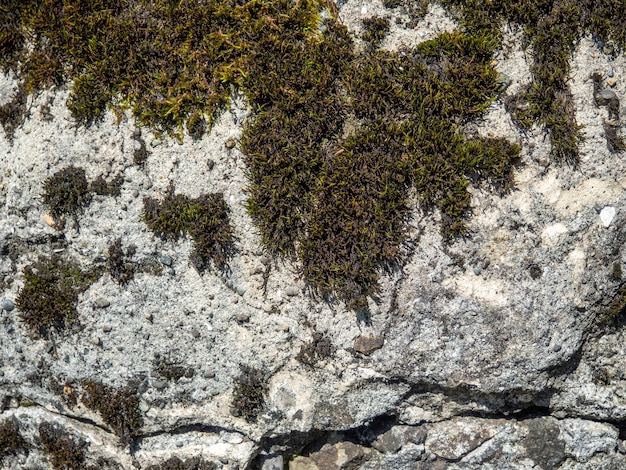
[
  {"x": 173, "y": 371},
  {"x": 66, "y": 192},
  {"x": 376, "y": 29},
  {"x": 249, "y": 393},
  {"x": 193, "y": 463},
  {"x": 317, "y": 350},
  {"x": 118, "y": 407},
  {"x": 65, "y": 452},
  {"x": 205, "y": 219},
  {"x": 122, "y": 270},
  {"x": 11, "y": 440},
  {"x": 13, "y": 113},
  {"x": 103, "y": 187},
  {"x": 47, "y": 302}
]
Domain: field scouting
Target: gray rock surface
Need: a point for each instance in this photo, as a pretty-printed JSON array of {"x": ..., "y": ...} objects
[{"x": 483, "y": 353}]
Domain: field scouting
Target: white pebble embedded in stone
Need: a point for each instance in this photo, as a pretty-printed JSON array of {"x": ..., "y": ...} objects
[{"x": 607, "y": 215}]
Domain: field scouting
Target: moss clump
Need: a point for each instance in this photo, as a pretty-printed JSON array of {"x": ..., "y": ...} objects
[
  {"x": 553, "y": 29},
  {"x": 375, "y": 31},
  {"x": 11, "y": 440},
  {"x": 107, "y": 188},
  {"x": 120, "y": 268},
  {"x": 13, "y": 113},
  {"x": 66, "y": 192},
  {"x": 249, "y": 393},
  {"x": 205, "y": 219},
  {"x": 65, "y": 452},
  {"x": 317, "y": 350},
  {"x": 193, "y": 463},
  {"x": 118, "y": 407},
  {"x": 171, "y": 370},
  {"x": 47, "y": 302}
]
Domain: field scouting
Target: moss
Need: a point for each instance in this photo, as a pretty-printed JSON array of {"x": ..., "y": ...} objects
[
  {"x": 11, "y": 440},
  {"x": 173, "y": 371},
  {"x": 13, "y": 113},
  {"x": 317, "y": 350},
  {"x": 375, "y": 30},
  {"x": 66, "y": 192},
  {"x": 193, "y": 463},
  {"x": 47, "y": 302},
  {"x": 118, "y": 407},
  {"x": 107, "y": 188},
  {"x": 553, "y": 29},
  {"x": 121, "y": 269},
  {"x": 65, "y": 452},
  {"x": 205, "y": 219},
  {"x": 249, "y": 393}
]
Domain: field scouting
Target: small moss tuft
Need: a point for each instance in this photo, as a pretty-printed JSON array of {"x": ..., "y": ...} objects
[
  {"x": 317, "y": 350},
  {"x": 66, "y": 192},
  {"x": 249, "y": 393},
  {"x": 375, "y": 31},
  {"x": 47, "y": 302},
  {"x": 193, "y": 463},
  {"x": 65, "y": 452},
  {"x": 103, "y": 188},
  {"x": 118, "y": 407},
  {"x": 13, "y": 113},
  {"x": 172, "y": 371},
  {"x": 120, "y": 268},
  {"x": 205, "y": 219},
  {"x": 11, "y": 440}
]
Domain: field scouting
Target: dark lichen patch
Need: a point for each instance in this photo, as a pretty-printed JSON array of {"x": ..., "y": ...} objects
[
  {"x": 121, "y": 268},
  {"x": 47, "y": 302},
  {"x": 193, "y": 463},
  {"x": 65, "y": 452},
  {"x": 249, "y": 393},
  {"x": 66, "y": 192},
  {"x": 205, "y": 219},
  {"x": 118, "y": 407},
  {"x": 414, "y": 9},
  {"x": 11, "y": 440}
]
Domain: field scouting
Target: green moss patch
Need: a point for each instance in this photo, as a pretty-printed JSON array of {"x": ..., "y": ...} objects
[
  {"x": 249, "y": 393},
  {"x": 47, "y": 302},
  {"x": 66, "y": 192}
]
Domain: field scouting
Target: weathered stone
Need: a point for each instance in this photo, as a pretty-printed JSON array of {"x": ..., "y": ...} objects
[{"x": 368, "y": 344}]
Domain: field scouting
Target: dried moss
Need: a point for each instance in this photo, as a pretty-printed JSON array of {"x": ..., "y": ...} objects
[
  {"x": 118, "y": 407},
  {"x": 122, "y": 270},
  {"x": 65, "y": 452},
  {"x": 47, "y": 302},
  {"x": 171, "y": 370}
]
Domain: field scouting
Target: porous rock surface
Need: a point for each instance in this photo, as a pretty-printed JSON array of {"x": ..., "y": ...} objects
[{"x": 485, "y": 352}]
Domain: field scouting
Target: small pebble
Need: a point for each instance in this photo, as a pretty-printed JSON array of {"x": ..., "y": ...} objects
[
  {"x": 607, "y": 214},
  {"x": 143, "y": 406},
  {"x": 49, "y": 220},
  {"x": 180, "y": 444},
  {"x": 608, "y": 95},
  {"x": 195, "y": 333},
  {"x": 148, "y": 316},
  {"x": 241, "y": 290},
  {"x": 477, "y": 270},
  {"x": 102, "y": 303},
  {"x": 610, "y": 73},
  {"x": 291, "y": 291},
  {"x": 242, "y": 318},
  {"x": 97, "y": 341},
  {"x": 8, "y": 305},
  {"x": 611, "y": 82},
  {"x": 135, "y": 193},
  {"x": 137, "y": 132},
  {"x": 166, "y": 260},
  {"x": 230, "y": 143},
  {"x": 50, "y": 348},
  {"x": 106, "y": 328},
  {"x": 208, "y": 374},
  {"x": 159, "y": 384},
  {"x": 210, "y": 163}
]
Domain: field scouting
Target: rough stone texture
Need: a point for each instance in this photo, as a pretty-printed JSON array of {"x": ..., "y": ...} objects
[{"x": 484, "y": 365}]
